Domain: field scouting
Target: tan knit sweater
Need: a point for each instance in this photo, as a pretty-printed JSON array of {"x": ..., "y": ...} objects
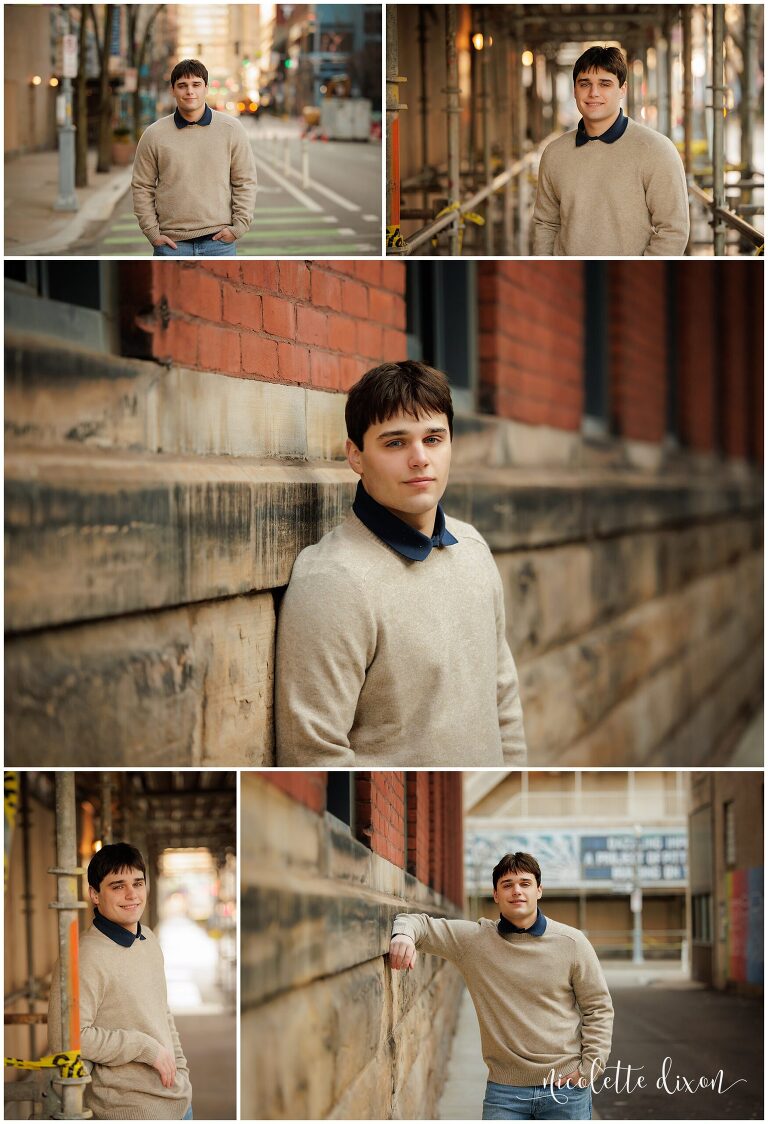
[
  {"x": 386, "y": 661},
  {"x": 124, "y": 1020},
  {"x": 611, "y": 200},
  {"x": 542, "y": 1002},
  {"x": 194, "y": 181}
]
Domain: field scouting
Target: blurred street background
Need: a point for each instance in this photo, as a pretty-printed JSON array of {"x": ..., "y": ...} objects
[{"x": 84, "y": 81}]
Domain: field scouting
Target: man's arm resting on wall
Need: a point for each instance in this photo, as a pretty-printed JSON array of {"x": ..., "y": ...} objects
[
  {"x": 144, "y": 187},
  {"x": 438, "y": 936},
  {"x": 594, "y": 1000},
  {"x": 326, "y": 640}
]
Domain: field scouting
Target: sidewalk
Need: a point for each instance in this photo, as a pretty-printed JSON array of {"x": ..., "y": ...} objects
[{"x": 32, "y": 227}]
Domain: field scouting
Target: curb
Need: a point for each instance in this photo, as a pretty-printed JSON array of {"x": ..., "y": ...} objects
[{"x": 97, "y": 209}]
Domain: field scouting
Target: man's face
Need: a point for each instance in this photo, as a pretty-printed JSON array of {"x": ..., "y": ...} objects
[
  {"x": 516, "y": 895},
  {"x": 404, "y": 466},
  {"x": 121, "y": 897},
  {"x": 598, "y": 98},
  {"x": 190, "y": 92}
]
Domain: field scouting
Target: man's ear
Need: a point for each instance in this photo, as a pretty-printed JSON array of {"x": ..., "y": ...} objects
[
  {"x": 93, "y": 895},
  {"x": 623, "y": 90},
  {"x": 354, "y": 457}
]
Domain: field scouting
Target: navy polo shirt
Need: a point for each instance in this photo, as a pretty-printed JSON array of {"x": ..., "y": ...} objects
[
  {"x": 403, "y": 539},
  {"x": 617, "y": 129},
  {"x": 116, "y": 932},
  {"x": 181, "y": 123},
  {"x": 536, "y": 930}
]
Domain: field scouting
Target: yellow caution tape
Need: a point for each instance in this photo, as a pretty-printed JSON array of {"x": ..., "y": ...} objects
[
  {"x": 69, "y": 1063},
  {"x": 468, "y": 216},
  {"x": 395, "y": 240},
  {"x": 11, "y": 787}
]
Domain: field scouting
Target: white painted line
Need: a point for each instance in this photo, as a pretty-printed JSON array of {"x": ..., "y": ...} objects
[
  {"x": 299, "y": 196},
  {"x": 345, "y": 230},
  {"x": 328, "y": 218},
  {"x": 371, "y": 218},
  {"x": 322, "y": 190}
]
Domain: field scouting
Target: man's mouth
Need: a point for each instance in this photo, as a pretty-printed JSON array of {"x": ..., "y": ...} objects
[{"x": 421, "y": 480}]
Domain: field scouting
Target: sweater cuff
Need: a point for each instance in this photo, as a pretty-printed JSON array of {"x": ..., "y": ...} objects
[{"x": 150, "y": 1050}]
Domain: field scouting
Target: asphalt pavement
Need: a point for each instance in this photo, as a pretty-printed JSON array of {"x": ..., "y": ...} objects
[
  {"x": 314, "y": 197},
  {"x": 659, "y": 1014}
]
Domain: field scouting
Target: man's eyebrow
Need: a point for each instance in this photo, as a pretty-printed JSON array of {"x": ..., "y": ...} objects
[{"x": 405, "y": 432}]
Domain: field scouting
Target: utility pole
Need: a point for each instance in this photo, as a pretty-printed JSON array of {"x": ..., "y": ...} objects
[{"x": 66, "y": 200}]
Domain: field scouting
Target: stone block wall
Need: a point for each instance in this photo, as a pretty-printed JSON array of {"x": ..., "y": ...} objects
[
  {"x": 154, "y": 508},
  {"x": 328, "y": 1030}
]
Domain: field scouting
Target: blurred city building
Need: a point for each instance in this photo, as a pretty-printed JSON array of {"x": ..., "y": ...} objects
[
  {"x": 612, "y": 846},
  {"x": 175, "y": 437},
  {"x": 726, "y": 881},
  {"x": 487, "y": 87},
  {"x": 185, "y": 826},
  {"x": 328, "y": 860}
]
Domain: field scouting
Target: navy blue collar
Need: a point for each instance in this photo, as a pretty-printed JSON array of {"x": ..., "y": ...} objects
[
  {"x": 181, "y": 123},
  {"x": 617, "y": 129},
  {"x": 397, "y": 534},
  {"x": 116, "y": 932},
  {"x": 535, "y": 930}
]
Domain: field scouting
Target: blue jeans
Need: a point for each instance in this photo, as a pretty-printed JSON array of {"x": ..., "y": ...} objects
[
  {"x": 188, "y": 1114},
  {"x": 206, "y": 247},
  {"x": 536, "y": 1102}
]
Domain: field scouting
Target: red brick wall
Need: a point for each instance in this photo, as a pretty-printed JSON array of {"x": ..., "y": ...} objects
[
  {"x": 307, "y": 787},
  {"x": 320, "y": 324},
  {"x": 531, "y": 327},
  {"x": 638, "y": 348},
  {"x": 380, "y": 813},
  {"x": 418, "y": 825},
  {"x": 735, "y": 327},
  {"x": 697, "y": 354}
]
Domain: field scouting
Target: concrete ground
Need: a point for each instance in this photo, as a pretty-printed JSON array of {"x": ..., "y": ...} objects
[
  {"x": 659, "y": 1013},
  {"x": 749, "y": 749}
]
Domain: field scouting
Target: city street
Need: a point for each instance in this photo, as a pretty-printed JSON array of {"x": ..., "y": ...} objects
[
  {"x": 338, "y": 212},
  {"x": 659, "y": 1013}
]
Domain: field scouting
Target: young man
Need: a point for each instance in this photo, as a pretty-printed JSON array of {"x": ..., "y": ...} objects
[
  {"x": 126, "y": 1028},
  {"x": 611, "y": 187},
  {"x": 391, "y": 644},
  {"x": 542, "y": 1002},
  {"x": 194, "y": 176}
]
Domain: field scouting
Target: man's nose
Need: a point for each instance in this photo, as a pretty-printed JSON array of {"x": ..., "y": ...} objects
[{"x": 419, "y": 453}]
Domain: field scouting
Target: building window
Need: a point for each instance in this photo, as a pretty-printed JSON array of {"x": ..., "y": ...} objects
[
  {"x": 441, "y": 301},
  {"x": 596, "y": 421},
  {"x": 71, "y": 300},
  {"x": 340, "y": 800},
  {"x": 729, "y": 833},
  {"x": 702, "y": 918}
]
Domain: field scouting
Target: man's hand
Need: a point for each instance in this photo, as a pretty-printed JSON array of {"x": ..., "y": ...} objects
[
  {"x": 575, "y": 1078},
  {"x": 163, "y": 240},
  {"x": 165, "y": 1064},
  {"x": 224, "y": 235},
  {"x": 402, "y": 953}
]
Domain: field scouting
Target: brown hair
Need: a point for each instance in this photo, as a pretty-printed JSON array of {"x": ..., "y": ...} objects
[
  {"x": 516, "y": 863},
  {"x": 408, "y": 387},
  {"x": 602, "y": 58},
  {"x": 188, "y": 68}
]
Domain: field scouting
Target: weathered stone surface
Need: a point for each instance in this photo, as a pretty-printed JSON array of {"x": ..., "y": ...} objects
[
  {"x": 64, "y": 395},
  {"x": 571, "y": 690},
  {"x": 187, "y": 686},
  {"x": 91, "y": 536},
  {"x": 322, "y": 1010}
]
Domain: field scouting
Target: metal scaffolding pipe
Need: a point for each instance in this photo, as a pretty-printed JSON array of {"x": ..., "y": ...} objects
[
  {"x": 687, "y": 22},
  {"x": 393, "y": 107},
  {"x": 748, "y": 96},
  {"x": 424, "y": 97},
  {"x": 505, "y": 55},
  {"x": 67, "y": 905},
  {"x": 718, "y": 125},
  {"x": 27, "y": 898},
  {"x": 485, "y": 98},
  {"x": 668, "y": 100},
  {"x": 106, "y": 808},
  {"x": 520, "y": 109},
  {"x": 453, "y": 113}
]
